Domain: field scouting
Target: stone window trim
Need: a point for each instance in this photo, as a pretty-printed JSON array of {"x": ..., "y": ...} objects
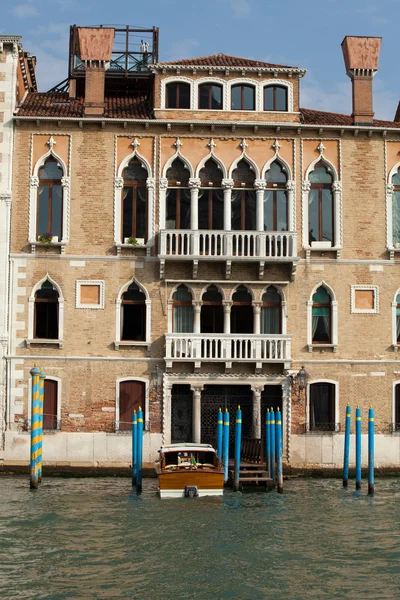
[
  {"x": 337, "y": 209},
  {"x": 364, "y": 311},
  {"x": 395, "y": 429},
  {"x": 31, "y": 340},
  {"x": 59, "y": 390},
  {"x": 95, "y": 282},
  {"x": 336, "y": 407},
  {"x": 389, "y": 212},
  {"x": 118, "y": 187},
  {"x": 226, "y": 92},
  {"x": 395, "y": 343},
  {"x": 33, "y": 194},
  {"x": 119, "y": 315},
  {"x": 334, "y": 320},
  {"x": 145, "y": 408}
]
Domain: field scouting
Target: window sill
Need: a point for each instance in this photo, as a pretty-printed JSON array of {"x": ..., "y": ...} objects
[
  {"x": 321, "y": 249},
  {"x": 396, "y": 347},
  {"x": 393, "y": 251},
  {"x": 126, "y": 344},
  {"x": 312, "y": 347},
  {"x": 39, "y": 342},
  {"x": 50, "y": 246},
  {"x": 120, "y": 246}
]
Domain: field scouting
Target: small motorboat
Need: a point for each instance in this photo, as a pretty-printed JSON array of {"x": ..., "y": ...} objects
[{"x": 189, "y": 470}]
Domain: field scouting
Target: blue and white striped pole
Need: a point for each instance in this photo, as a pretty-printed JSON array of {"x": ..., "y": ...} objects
[
  {"x": 346, "y": 447},
  {"x": 272, "y": 444},
  {"x": 139, "y": 451},
  {"x": 134, "y": 447},
  {"x": 220, "y": 426},
  {"x": 35, "y": 426},
  {"x": 42, "y": 377},
  {"x": 267, "y": 434},
  {"x": 279, "y": 468},
  {"x": 358, "y": 448},
  {"x": 371, "y": 451},
  {"x": 226, "y": 445},
  {"x": 238, "y": 443}
]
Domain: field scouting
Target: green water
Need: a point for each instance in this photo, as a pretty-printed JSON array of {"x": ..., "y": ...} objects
[{"x": 94, "y": 538}]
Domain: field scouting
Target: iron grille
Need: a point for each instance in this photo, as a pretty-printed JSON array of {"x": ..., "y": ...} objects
[
  {"x": 181, "y": 414},
  {"x": 322, "y": 427}
]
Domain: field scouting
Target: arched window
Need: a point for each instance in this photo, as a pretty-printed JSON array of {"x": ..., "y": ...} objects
[
  {"x": 212, "y": 314},
  {"x": 133, "y": 314},
  {"x": 242, "y": 97},
  {"x": 242, "y": 318},
  {"x": 210, "y": 96},
  {"x": 275, "y": 199},
  {"x": 50, "y": 404},
  {"x": 322, "y": 406},
  {"x": 134, "y": 201},
  {"x": 178, "y": 196},
  {"x": 182, "y": 310},
  {"x": 243, "y": 198},
  {"x": 178, "y": 95},
  {"x": 275, "y": 98},
  {"x": 396, "y": 209},
  {"x": 320, "y": 205},
  {"x": 398, "y": 318},
  {"x": 321, "y": 317},
  {"x": 131, "y": 397},
  {"x": 211, "y": 200},
  {"x": 46, "y": 312},
  {"x": 271, "y": 311},
  {"x": 50, "y": 200}
]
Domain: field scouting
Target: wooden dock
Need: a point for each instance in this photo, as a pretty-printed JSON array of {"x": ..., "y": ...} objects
[{"x": 251, "y": 475}]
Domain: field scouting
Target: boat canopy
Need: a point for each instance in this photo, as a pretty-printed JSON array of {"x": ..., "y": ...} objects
[{"x": 187, "y": 448}]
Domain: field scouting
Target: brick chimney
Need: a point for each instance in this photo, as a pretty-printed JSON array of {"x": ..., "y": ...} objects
[
  {"x": 361, "y": 56},
  {"x": 95, "y": 47}
]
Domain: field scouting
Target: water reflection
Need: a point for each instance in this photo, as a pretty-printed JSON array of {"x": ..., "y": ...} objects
[{"x": 94, "y": 538}]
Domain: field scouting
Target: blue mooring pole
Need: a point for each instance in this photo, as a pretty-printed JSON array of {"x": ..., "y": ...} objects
[
  {"x": 346, "y": 447},
  {"x": 238, "y": 442},
  {"x": 226, "y": 445},
  {"x": 267, "y": 441},
  {"x": 134, "y": 447},
  {"x": 35, "y": 425},
  {"x": 371, "y": 451},
  {"x": 42, "y": 377},
  {"x": 139, "y": 455},
  {"x": 220, "y": 426},
  {"x": 272, "y": 445},
  {"x": 278, "y": 437},
  {"x": 358, "y": 448}
]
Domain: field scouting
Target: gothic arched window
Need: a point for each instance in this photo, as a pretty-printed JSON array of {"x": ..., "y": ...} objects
[
  {"x": 133, "y": 314},
  {"x": 271, "y": 312},
  {"x": 178, "y": 196},
  {"x": 275, "y": 199},
  {"x": 321, "y": 317},
  {"x": 182, "y": 310},
  {"x": 50, "y": 200},
  {"x": 134, "y": 201},
  {"x": 396, "y": 209},
  {"x": 243, "y": 198},
  {"x": 320, "y": 205},
  {"x": 212, "y": 314},
  {"x": 211, "y": 200},
  {"x": 242, "y": 318},
  {"x": 46, "y": 312}
]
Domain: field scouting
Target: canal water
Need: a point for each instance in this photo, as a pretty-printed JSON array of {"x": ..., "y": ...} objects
[{"x": 94, "y": 538}]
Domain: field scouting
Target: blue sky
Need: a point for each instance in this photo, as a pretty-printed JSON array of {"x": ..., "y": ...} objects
[{"x": 304, "y": 33}]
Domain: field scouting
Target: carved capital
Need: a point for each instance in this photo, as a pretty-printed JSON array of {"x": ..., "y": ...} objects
[
  {"x": 163, "y": 183},
  {"x": 389, "y": 188},
  {"x": 118, "y": 183},
  {"x": 306, "y": 186},
  {"x": 194, "y": 183},
  {"x": 337, "y": 186},
  {"x": 150, "y": 183},
  {"x": 65, "y": 181},
  {"x": 260, "y": 184},
  {"x": 34, "y": 181},
  {"x": 227, "y": 305},
  {"x": 257, "y": 389},
  {"x": 197, "y": 304},
  {"x": 290, "y": 185},
  {"x": 227, "y": 184}
]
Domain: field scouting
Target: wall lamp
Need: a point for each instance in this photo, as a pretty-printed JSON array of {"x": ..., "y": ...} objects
[{"x": 301, "y": 379}]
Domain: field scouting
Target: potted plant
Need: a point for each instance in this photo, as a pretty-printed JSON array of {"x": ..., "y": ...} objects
[
  {"x": 131, "y": 240},
  {"x": 46, "y": 238}
]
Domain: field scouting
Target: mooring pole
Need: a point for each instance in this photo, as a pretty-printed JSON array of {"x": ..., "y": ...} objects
[
  {"x": 371, "y": 451},
  {"x": 279, "y": 468},
  {"x": 272, "y": 444},
  {"x": 226, "y": 445},
  {"x": 358, "y": 448},
  {"x": 35, "y": 425},
  {"x": 220, "y": 425},
  {"x": 238, "y": 442},
  {"x": 267, "y": 442},
  {"x": 139, "y": 451},
  {"x": 42, "y": 377},
  {"x": 134, "y": 447},
  {"x": 346, "y": 447}
]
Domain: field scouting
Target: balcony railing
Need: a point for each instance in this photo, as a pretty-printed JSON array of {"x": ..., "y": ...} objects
[
  {"x": 262, "y": 246},
  {"x": 227, "y": 348}
]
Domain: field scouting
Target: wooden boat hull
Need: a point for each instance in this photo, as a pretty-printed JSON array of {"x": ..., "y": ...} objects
[{"x": 172, "y": 484}]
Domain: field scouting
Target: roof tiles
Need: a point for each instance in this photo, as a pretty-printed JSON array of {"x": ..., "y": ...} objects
[{"x": 224, "y": 60}]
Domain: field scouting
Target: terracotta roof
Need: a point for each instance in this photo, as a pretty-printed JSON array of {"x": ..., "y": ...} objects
[
  {"x": 319, "y": 117},
  {"x": 58, "y": 104},
  {"x": 223, "y": 60}
]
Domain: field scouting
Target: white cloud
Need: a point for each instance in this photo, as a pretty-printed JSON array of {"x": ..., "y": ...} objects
[
  {"x": 240, "y": 7},
  {"x": 23, "y": 11}
]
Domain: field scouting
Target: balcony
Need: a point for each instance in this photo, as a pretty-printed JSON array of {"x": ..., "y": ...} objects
[
  {"x": 199, "y": 348},
  {"x": 228, "y": 246}
]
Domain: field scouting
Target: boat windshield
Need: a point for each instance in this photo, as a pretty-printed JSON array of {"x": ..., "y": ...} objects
[{"x": 195, "y": 458}]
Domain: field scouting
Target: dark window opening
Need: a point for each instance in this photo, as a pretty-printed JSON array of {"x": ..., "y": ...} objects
[
  {"x": 322, "y": 407},
  {"x": 50, "y": 404},
  {"x": 242, "y": 316},
  {"x": 398, "y": 318},
  {"x": 271, "y": 312},
  {"x": 212, "y": 313},
  {"x": 243, "y": 97},
  {"x": 50, "y": 200},
  {"x": 134, "y": 201},
  {"x": 397, "y": 408},
  {"x": 275, "y": 98},
  {"x": 131, "y": 397},
  {"x": 178, "y": 95},
  {"x": 275, "y": 199},
  {"x": 182, "y": 310},
  {"x": 133, "y": 314},
  {"x": 396, "y": 208},
  {"x": 321, "y": 317},
  {"x": 210, "y": 96},
  {"x": 211, "y": 209},
  {"x": 46, "y": 312}
]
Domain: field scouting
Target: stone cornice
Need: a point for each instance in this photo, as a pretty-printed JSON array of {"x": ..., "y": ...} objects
[{"x": 162, "y": 67}]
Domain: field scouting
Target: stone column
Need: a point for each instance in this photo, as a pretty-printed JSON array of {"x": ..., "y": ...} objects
[
  {"x": 256, "y": 424},
  {"x": 196, "y": 414},
  {"x": 227, "y": 185},
  {"x": 227, "y": 317},
  {"x": 259, "y": 186},
  {"x": 163, "y": 186},
  {"x": 197, "y": 316},
  {"x": 337, "y": 200},
  {"x": 257, "y": 317},
  {"x": 166, "y": 413},
  {"x": 194, "y": 185},
  {"x": 290, "y": 189}
]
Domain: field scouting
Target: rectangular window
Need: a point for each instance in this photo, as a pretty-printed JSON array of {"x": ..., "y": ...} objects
[
  {"x": 178, "y": 209},
  {"x": 364, "y": 299},
  {"x": 322, "y": 407},
  {"x": 211, "y": 210},
  {"x": 50, "y": 404},
  {"x": 397, "y": 408},
  {"x": 89, "y": 294}
]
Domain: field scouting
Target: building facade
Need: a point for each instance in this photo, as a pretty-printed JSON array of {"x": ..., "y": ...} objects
[
  {"x": 193, "y": 239},
  {"x": 17, "y": 76}
]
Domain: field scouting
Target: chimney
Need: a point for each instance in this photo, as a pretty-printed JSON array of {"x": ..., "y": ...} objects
[
  {"x": 361, "y": 56},
  {"x": 95, "y": 47}
]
